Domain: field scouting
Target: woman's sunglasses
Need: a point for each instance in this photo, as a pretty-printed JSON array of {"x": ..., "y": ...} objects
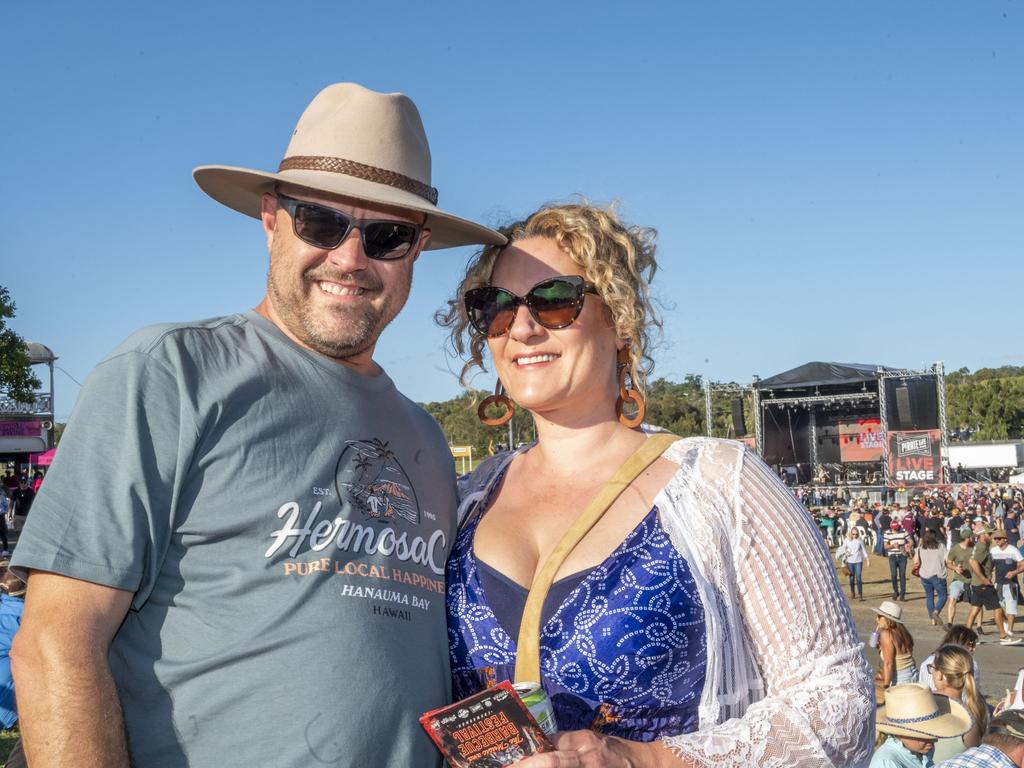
[
  {"x": 327, "y": 228},
  {"x": 553, "y": 303}
]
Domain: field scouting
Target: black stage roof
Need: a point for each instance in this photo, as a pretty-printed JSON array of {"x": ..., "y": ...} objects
[{"x": 821, "y": 374}]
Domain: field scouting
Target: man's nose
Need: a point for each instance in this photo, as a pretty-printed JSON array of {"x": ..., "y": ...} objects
[{"x": 349, "y": 254}]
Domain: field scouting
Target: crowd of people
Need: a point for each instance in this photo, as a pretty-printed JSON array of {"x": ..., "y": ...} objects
[{"x": 963, "y": 544}]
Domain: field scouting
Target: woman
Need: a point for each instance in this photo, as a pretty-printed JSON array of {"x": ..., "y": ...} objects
[
  {"x": 699, "y": 621},
  {"x": 854, "y": 555},
  {"x": 961, "y": 635},
  {"x": 896, "y": 664},
  {"x": 912, "y": 720},
  {"x": 930, "y": 565},
  {"x": 952, "y": 674}
]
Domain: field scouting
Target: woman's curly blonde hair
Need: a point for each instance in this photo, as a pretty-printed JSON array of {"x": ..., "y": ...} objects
[{"x": 616, "y": 257}]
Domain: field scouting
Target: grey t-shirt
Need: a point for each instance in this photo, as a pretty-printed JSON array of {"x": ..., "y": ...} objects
[{"x": 283, "y": 523}]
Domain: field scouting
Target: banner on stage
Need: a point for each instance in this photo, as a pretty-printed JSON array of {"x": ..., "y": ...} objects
[
  {"x": 861, "y": 440},
  {"x": 915, "y": 458}
]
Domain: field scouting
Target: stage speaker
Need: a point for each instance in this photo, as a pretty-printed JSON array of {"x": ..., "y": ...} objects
[
  {"x": 904, "y": 416},
  {"x": 738, "y": 425}
]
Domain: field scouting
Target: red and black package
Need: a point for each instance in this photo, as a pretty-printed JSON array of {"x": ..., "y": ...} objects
[{"x": 489, "y": 729}]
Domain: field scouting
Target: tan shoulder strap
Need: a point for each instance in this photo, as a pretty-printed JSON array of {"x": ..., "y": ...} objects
[{"x": 528, "y": 645}]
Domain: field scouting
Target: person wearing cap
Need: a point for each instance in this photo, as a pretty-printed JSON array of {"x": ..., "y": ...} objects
[
  {"x": 911, "y": 721},
  {"x": 258, "y": 577},
  {"x": 983, "y": 591},
  {"x": 1002, "y": 746},
  {"x": 22, "y": 498},
  {"x": 958, "y": 562},
  {"x": 1012, "y": 525},
  {"x": 1007, "y": 565}
]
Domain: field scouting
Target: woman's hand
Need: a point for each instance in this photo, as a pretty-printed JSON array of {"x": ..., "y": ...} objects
[{"x": 587, "y": 749}]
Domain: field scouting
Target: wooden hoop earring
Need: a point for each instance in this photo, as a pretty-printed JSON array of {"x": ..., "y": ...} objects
[
  {"x": 627, "y": 395},
  {"x": 498, "y": 398}
]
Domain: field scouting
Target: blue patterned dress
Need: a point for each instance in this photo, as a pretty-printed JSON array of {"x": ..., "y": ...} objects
[{"x": 624, "y": 654}]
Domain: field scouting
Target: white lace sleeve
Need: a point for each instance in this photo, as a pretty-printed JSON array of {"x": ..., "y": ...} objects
[{"x": 818, "y": 703}]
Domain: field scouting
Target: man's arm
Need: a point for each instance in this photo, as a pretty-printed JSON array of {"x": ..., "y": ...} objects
[{"x": 68, "y": 709}]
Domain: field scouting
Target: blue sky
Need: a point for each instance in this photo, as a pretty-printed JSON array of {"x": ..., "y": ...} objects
[{"x": 830, "y": 181}]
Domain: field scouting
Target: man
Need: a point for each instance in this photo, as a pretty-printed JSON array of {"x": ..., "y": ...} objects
[
  {"x": 21, "y": 501},
  {"x": 983, "y": 591},
  {"x": 958, "y": 561},
  {"x": 911, "y": 526},
  {"x": 884, "y": 521},
  {"x": 1012, "y": 525},
  {"x": 954, "y": 524},
  {"x": 1007, "y": 565},
  {"x": 897, "y": 548},
  {"x": 1002, "y": 746},
  {"x": 258, "y": 579},
  {"x": 933, "y": 521}
]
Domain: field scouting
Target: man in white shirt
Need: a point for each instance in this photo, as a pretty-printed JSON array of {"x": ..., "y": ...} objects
[{"x": 1008, "y": 563}]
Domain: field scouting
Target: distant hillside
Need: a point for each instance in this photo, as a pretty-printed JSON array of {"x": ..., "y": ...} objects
[{"x": 989, "y": 401}]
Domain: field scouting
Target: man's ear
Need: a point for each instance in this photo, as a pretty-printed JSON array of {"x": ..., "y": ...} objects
[
  {"x": 268, "y": 215},
  {"x": 424, "y": 239}
]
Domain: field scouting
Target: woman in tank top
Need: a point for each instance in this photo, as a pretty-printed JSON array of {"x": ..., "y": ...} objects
[
  {"x": 703, "y": 589},
  {"x": 896, "y": 664}
]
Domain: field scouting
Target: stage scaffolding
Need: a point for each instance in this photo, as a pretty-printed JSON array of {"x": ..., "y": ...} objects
[
  {"x": 711, "y": 387},
  {"x": 937, "y": 370},
  {"x": 878, "y": 395}
]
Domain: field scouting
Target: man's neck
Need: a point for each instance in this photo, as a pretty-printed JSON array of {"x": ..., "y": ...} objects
[{"x": 361, "y": 363}]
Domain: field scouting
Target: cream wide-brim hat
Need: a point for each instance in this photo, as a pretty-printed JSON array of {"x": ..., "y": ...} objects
[
  {"x": 890, "y": 610},
  {"x": 358, "y": 143},
  {"x": 912, "y": 710}
]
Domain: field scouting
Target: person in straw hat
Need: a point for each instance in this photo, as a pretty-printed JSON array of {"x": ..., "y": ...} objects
[
  {"x": 258, "y": 576},
  {"x": 911, "y": 721},
  {"x": 895, "y": 647}
]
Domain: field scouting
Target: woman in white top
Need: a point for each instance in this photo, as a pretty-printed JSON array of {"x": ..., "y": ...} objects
[
  {"x": 563, "y": 312},
  {"x": 952, "y": 675},
  {"x": 960, "y": 635},
  {"x": 930, "y": 564},
  {"x": 854, "y": 555}
]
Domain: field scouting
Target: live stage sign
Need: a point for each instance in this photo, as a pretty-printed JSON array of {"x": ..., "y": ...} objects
[{"x": 915, "y": 458}]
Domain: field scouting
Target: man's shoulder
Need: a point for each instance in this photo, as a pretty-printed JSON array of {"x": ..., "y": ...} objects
[{"x": 152, "y": 338}]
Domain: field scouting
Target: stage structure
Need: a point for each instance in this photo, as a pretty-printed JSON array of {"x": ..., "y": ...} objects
[
  {"x": 739, "y": 394},
  {"x": 847, "y": 424}
]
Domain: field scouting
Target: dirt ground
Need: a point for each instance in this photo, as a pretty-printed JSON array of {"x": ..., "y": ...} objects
[{"x": 998, "y": 665}]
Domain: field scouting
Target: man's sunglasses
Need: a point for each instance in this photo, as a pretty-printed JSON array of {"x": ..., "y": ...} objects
[
  {"x": 554, "y": 303},
  {"x": 327, "y": 228}
]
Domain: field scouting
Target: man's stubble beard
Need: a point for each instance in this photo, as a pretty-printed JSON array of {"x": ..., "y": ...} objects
[{"x": 360, "y": 327}]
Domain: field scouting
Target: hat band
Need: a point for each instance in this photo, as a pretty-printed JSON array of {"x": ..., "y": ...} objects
[
  {"x": 359, "y": 171},
  {"x": 913, "y": 719}
]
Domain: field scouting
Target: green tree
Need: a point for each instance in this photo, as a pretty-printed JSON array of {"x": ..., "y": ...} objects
[
  {"x": 16, "y": 377},
  {"x": 991, "y": 401}
]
